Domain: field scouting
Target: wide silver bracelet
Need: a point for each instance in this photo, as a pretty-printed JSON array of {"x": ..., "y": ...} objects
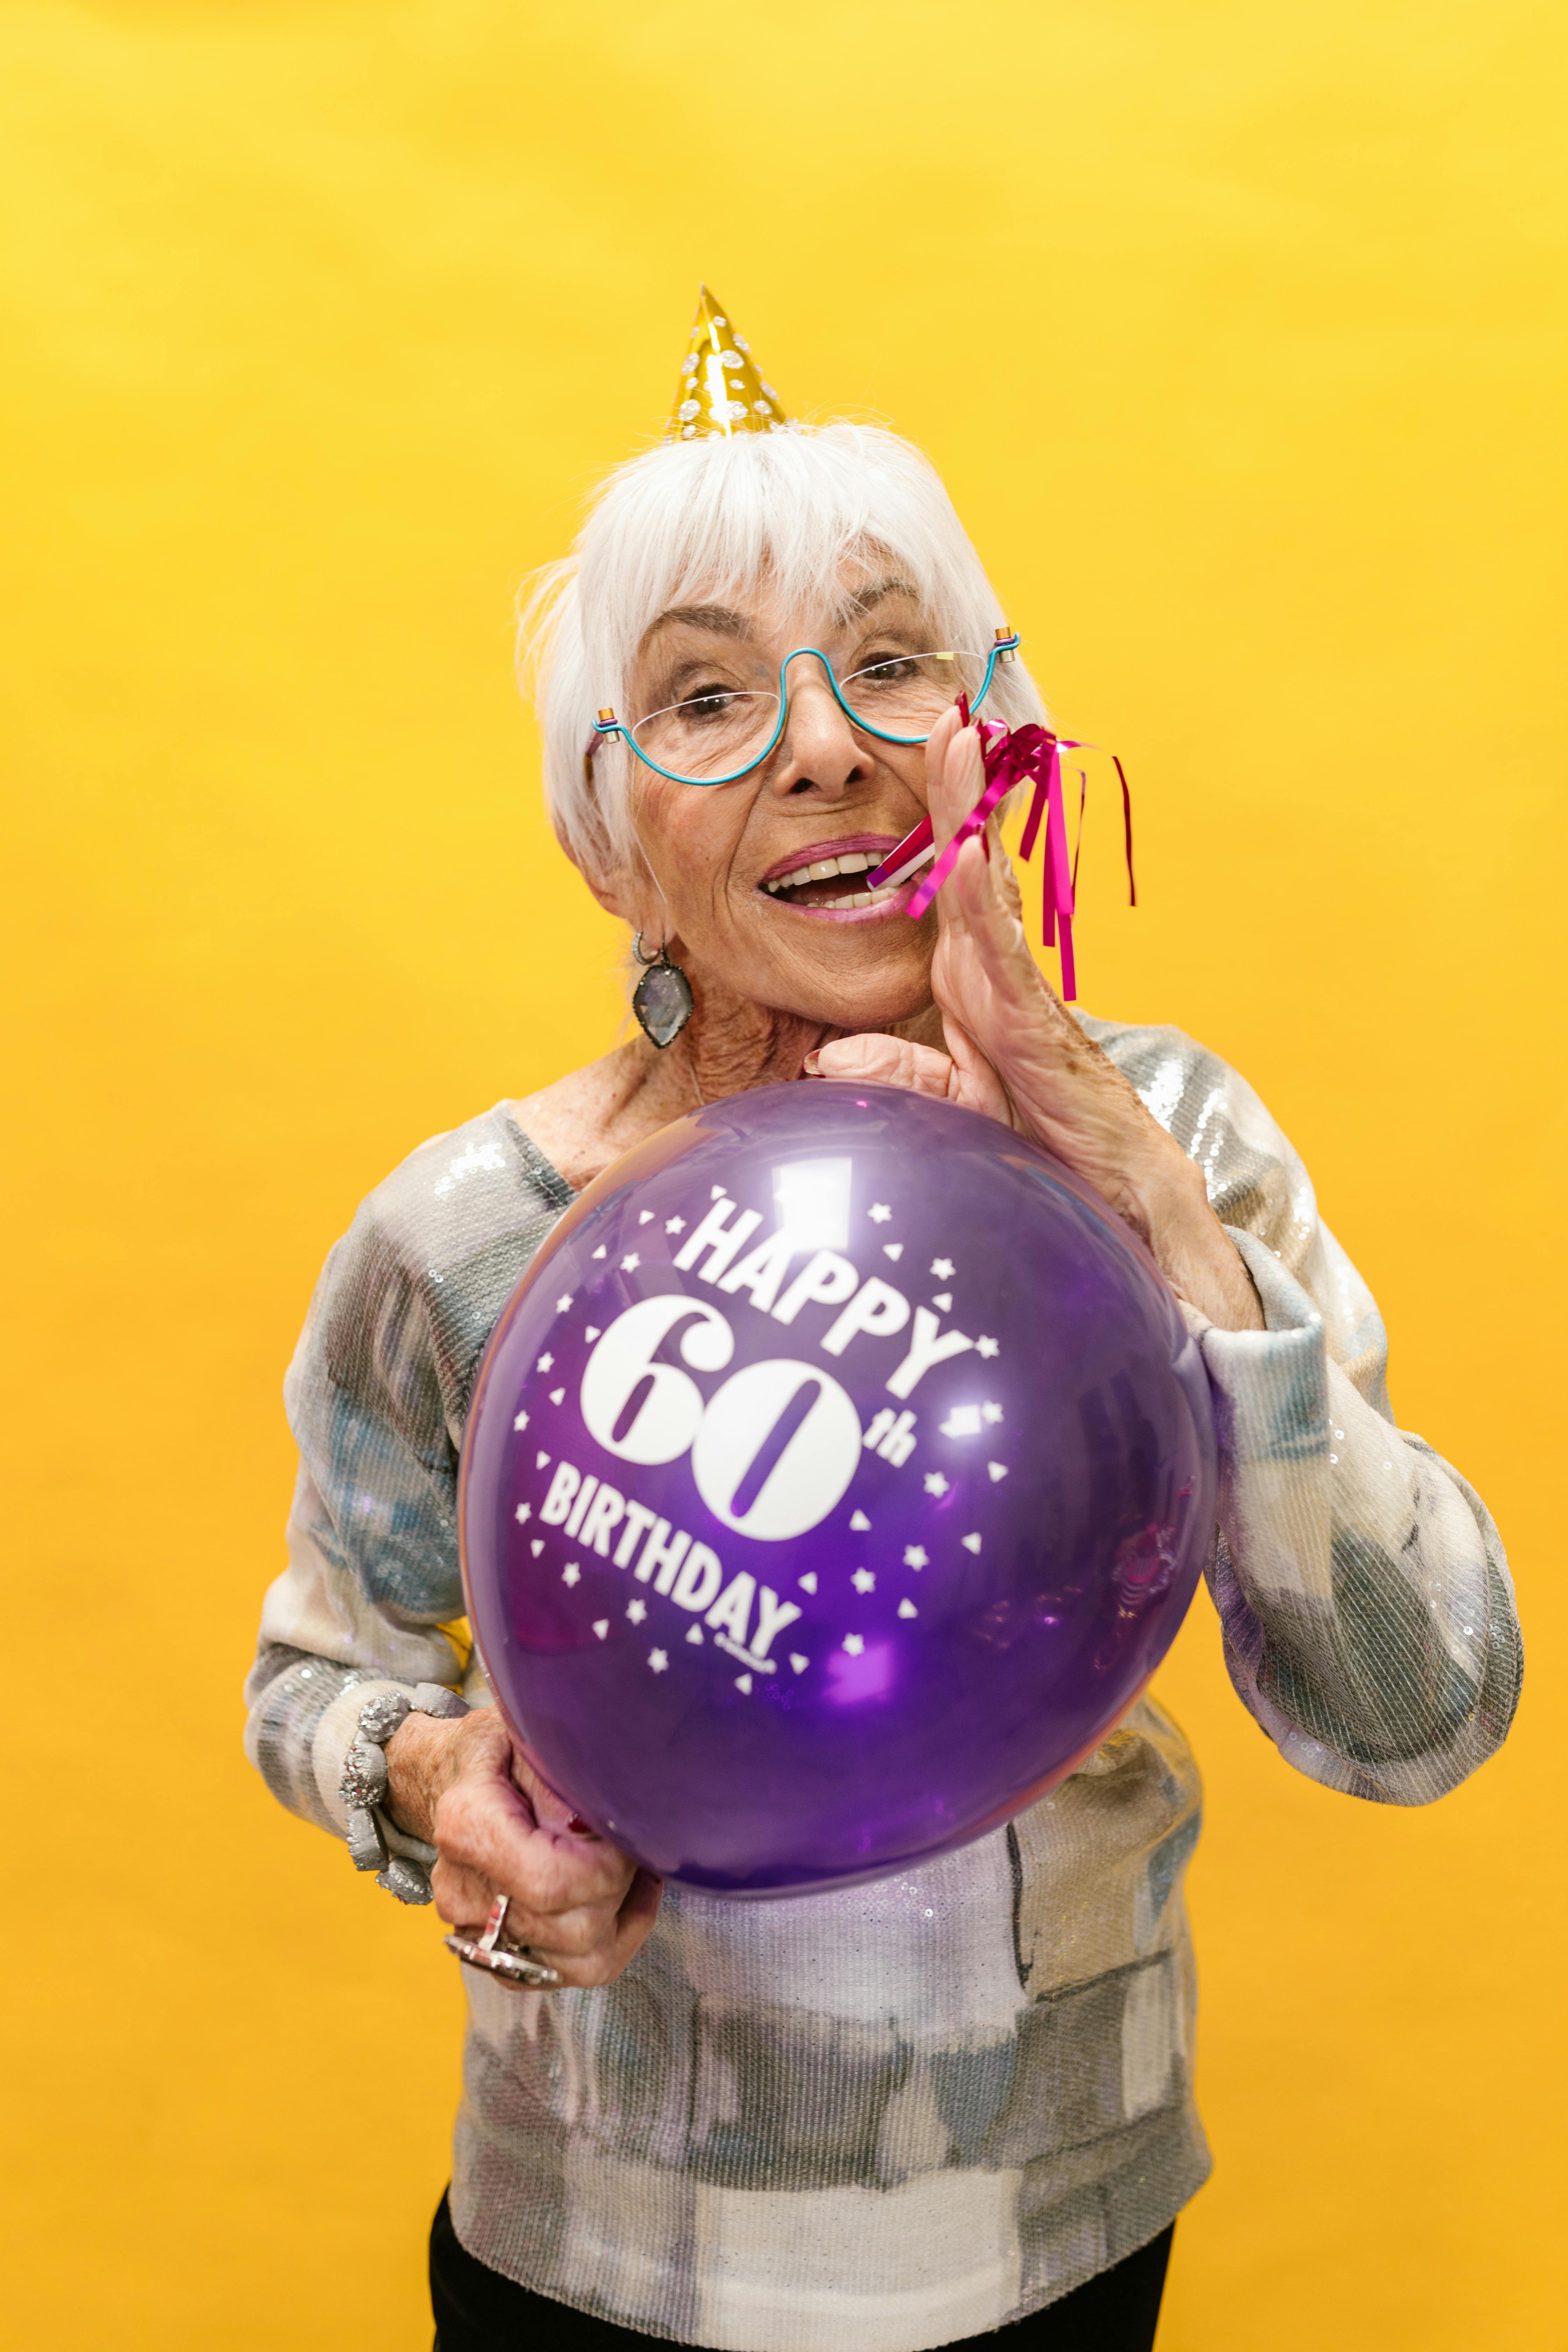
[{"x": 400, "y": 1863}]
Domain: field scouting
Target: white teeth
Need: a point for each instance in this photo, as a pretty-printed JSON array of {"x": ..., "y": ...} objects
[
  {"x": 856, "y": 899},
  {"x": 822, "y": 871}
]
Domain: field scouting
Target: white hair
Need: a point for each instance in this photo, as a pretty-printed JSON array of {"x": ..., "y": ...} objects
[{"x": 690, "y": 518}]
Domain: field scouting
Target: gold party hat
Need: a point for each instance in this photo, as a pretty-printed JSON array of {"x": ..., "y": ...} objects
[{"x": 722, "y": 389}]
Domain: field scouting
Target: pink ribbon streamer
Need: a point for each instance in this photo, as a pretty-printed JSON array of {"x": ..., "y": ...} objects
[
  {"x": 1014, "y": 757},
  {"x": 1127, "y": 827},
  {"x": 1022, "y": 755}
]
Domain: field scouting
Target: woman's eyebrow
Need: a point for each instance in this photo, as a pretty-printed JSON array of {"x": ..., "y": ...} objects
[
  {"x": 717, "y": 617},
  {"x": 855, "y": 607}
]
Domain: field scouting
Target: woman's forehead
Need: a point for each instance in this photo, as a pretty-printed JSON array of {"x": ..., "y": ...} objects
[{"x": 756, "y": 610}]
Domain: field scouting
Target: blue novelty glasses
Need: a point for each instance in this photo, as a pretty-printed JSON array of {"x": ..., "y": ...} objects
[{"x": 716, "y": 737}]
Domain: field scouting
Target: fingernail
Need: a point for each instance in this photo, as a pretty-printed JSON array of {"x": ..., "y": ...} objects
[
  {"x": 810, "y": 1065},
  {"x": 580, "y": 1828}
]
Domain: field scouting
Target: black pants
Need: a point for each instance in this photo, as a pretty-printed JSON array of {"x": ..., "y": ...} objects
[{"x": 477, "y": 2310}]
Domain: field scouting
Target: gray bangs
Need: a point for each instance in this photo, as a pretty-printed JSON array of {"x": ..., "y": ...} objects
[{"x": 697, "y": 517}]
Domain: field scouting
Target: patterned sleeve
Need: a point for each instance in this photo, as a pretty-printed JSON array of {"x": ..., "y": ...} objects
[
  {"x": 1367, "y": 1610},
  {"x": 372, "y": 1597}
]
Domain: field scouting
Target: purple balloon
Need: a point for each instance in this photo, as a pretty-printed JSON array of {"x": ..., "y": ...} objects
[{"x": 838, "y": 1474}]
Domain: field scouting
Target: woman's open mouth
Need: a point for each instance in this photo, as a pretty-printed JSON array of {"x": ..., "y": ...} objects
[{"x": 829, "y": 878}]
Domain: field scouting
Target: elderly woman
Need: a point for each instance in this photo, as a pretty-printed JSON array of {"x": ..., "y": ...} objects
[{"x": 910, "y": 2113}]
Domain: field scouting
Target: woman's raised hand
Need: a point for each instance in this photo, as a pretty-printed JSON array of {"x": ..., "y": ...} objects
[
  {"x": 499, "y": 1829},
  {"x": 1016, "y": 1053}
]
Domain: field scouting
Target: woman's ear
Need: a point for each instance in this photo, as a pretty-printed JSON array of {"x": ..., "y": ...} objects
[
  {"x": 636, "y": 898},
  {"x": 611, "y": 891}
]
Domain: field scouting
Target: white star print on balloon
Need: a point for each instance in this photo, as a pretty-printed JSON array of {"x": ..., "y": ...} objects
[
  {"x": 630, "y": 1263},
  {"x": 992, "y": 1412},
  {"x": 571, "y": 1573},
  {"x": 943, "y": 1268},
  {"x": 983, "y": 1346},
  {"x": 524, "y": 1512},
  {"x": 935, "y": 1482},
  {"x": 521, "y": 1421},
  {"x": 915, "y": 1556},
  {"x": 657, "y": 1660},
  {"x": 545, "y": 1363},
  {"x": 879, "y": 1212},
  {"x": 675, "y": 1225},
  {"x": 863, "y": 1580},
  {"x": 636, "y": 1611},
  {"x": 854, "y": 1643},
  {"x": 561, "y": 1305}
]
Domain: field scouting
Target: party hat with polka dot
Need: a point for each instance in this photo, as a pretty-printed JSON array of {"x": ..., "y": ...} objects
[{"x": 722, "y": 389}]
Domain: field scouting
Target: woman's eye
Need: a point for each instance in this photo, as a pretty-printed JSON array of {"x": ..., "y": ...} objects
[
  {"x": 893, "y": 669},
  {"x": 708, "y": 702}
]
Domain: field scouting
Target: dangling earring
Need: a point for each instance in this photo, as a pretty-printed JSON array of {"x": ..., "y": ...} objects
[{"x": 662, "y": 1000}]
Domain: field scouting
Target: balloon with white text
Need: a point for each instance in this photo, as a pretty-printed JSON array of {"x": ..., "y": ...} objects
[{"x": 837, "y": 1474}]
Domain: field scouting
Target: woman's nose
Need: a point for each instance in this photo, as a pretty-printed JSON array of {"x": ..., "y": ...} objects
[{"x": 818, "y": 751}]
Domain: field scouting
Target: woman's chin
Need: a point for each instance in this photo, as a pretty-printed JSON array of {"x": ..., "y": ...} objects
[
  {"x": 842, "y": 976},
  {"x": 863, "y": 1003}
]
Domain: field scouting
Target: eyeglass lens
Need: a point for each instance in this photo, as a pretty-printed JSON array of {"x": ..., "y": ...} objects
[{"x": 716, "y": 730}]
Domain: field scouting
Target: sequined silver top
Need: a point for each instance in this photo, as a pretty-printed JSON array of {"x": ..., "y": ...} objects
[{"x": 907, "y": 2113}]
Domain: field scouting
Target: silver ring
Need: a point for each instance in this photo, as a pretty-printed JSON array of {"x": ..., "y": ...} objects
[{"x": 512, "y": 1963}]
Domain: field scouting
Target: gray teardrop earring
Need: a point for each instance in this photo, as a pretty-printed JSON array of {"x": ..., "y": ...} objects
[{"x": 662, "y": 999}]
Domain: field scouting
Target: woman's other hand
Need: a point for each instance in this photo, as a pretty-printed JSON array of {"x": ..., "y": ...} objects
[
  {"x": 1016, "y": 1053},
  {"x": 499, "y": 1829}
]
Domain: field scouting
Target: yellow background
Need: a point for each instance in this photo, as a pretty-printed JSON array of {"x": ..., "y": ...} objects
[{"x": 1236, "y": 332}]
